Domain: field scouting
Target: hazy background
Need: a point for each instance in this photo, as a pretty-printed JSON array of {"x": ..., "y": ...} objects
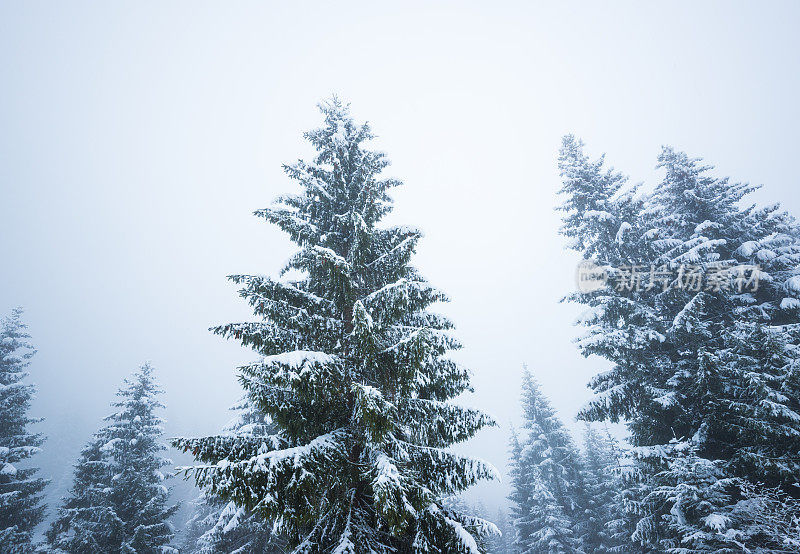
[{"x": 137, "y": 138}]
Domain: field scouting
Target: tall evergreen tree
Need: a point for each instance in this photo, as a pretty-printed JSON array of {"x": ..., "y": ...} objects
[
  {"x": 354, "y": 374},
  {"x": 706, "y": 378},
  {"x": 118, "y": 502},
  {"x": 552, "y": 452},
  {"x": 547, "y": 478},
  {"x": 20, "y": 492},
  {"x": 734, "y": 366}
]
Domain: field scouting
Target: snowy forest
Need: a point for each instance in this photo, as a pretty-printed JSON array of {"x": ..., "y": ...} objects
[
  {"x": 341, "y": 440},
  {"x": 514, "y": 288}
]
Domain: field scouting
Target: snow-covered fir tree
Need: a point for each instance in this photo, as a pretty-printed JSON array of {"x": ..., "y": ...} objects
[
  {"x": 204, "y": 516},
  {"x": 706, "y": 378},
  {"x": 504, "y": 542},
  {"x": 118, "y": 501},
  {"x": 520, "y": 496},
  {"x": 21, "y": 506},
  {"x": 601, "y": 483},
  {"x": 86, "y": 521},
  {"x": 547, "y": 479},
  {"x": 354, "y": 373},
  {"x": 219, "y": 526},
  {"x": 582, "y": 509},
  {"x": 623, "y": 503}
]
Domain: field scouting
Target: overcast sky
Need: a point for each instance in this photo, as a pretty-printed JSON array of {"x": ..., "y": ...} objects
[{"x": 136, "y": 139}]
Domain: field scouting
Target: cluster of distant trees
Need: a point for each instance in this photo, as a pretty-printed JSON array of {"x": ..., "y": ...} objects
[
  {"x": 706, "y": 378},
  {"x": 118, "y": 501},
  {"x": 564, "y": 500},
  {"x": 341, "y": 443}
]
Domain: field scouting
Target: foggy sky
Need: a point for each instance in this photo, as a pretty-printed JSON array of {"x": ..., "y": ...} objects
[{"x": 136, "y": 140}]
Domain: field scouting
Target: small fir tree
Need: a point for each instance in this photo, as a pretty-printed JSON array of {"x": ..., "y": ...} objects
[
  {"x": 21, "y": 506},
  {"x": 118, "y": 502},
  {"x": 521, "y": 492},
  {"x": 547, "y": 479},
  {"x": 601, "y": 484}
]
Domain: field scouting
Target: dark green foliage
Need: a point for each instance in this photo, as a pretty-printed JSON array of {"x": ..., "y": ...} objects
[{"x": 354, "y": 374}]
